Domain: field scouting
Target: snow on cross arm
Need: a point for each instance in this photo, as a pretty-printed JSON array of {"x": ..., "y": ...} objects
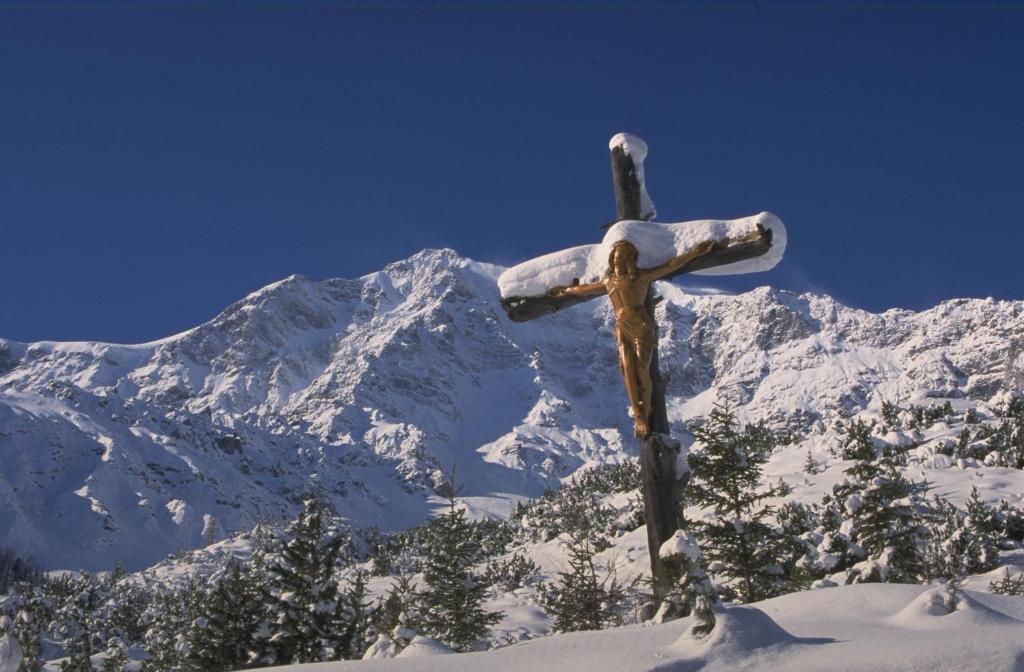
[{"x": 656, "y": 242}]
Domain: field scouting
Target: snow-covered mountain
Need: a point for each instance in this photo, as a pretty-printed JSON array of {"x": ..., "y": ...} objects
[{"x": 376, "y": 387}]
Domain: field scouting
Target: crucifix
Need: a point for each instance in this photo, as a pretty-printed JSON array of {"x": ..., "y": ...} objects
[{"x": 635, "y": 253}]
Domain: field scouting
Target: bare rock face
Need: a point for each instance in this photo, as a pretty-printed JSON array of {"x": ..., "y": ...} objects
[{"x": 372, "y": 388}]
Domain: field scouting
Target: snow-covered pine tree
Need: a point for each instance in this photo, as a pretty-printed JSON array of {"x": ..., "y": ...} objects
[
  {"x": 890, "y": 416},
  {"x": 452, "y": 604},
  {"x": 28, "y": 633},
  {"x": 983, "y": 521},
  {"x": 30, "y": 612},
  {"x": 810, "y": 464},
  {"x": 885, "y": 510},
  {"x": 799, "y": 539},
  {"x": 303, "y": 591},
  {"x": 170, "y": 617},
  {"x": 396, "y": 619},
  {"x": 76, "y": 617},
  {"x": 354, "y": 619},
  {"x": 1008, "y": 585},
  {"x": 123, "y": 606},
  {"x": 739, "y": 544},
  {"x": 1011, "y": 521},
  {"x": 961, "y": 542},
  {"x": 695, "y": 594},
  {"x": 512, "y": 573},
  {"x": 117, "y": 657},
  {"x": 221, "y": 638},
  {"x": 582, "y": 599},
  {"x": 947, "y": 553}
]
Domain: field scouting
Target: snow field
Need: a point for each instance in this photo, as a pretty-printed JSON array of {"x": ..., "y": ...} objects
[{"x": 860, "y": 628}]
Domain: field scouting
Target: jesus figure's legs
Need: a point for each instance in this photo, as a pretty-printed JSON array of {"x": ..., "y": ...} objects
[
  {"x": 635, "y": 362},
  {"x": 644, "y": 355},
  {"x": 628, "y": 364}
]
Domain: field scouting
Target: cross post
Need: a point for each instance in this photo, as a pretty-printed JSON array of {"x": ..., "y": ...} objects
[
  {"x": 525, "y": 298},
  {"x": 662, "y": 491}
]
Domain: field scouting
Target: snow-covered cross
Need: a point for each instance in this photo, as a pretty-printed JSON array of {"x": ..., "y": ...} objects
[{"x": 634, "y": 253}]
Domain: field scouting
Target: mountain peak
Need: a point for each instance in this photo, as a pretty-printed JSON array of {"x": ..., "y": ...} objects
[{"x": 377, "y": 386}]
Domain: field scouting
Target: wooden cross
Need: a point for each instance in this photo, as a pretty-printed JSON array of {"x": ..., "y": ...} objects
[{"x": 662, "y": 487}]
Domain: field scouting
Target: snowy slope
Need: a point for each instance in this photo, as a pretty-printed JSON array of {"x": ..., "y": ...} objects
[
  {"x": 866, "y": 627},
  {"x": 376, "y": 386}
]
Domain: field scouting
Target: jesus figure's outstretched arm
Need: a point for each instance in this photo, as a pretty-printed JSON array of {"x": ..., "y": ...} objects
[
  {"x": 589, "y": 289},
  {"x": 675, "y": 263}
]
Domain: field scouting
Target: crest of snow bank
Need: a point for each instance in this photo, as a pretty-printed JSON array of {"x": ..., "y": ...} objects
[
  {"x": 656, "y": 243},
  {"x": 849, "y": 628}
]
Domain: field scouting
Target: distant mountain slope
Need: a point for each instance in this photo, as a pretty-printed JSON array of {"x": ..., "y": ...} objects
[{"x": 376, "y": 386}]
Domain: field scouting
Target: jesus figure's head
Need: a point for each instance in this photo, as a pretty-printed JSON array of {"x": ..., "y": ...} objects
[{"x": 622, "y": 259}]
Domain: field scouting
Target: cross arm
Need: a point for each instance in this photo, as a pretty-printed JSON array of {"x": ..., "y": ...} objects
[{"x": 526, "y": 308}]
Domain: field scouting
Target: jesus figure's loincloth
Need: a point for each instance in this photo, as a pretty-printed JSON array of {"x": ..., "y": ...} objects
[{"x": 634, "y": 329}]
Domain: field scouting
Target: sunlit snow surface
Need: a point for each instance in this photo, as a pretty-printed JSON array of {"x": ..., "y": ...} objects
[{"x": 861, "y": 628}]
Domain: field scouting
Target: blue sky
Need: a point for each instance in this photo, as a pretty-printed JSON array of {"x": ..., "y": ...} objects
[{"x": 159, "y": 161}]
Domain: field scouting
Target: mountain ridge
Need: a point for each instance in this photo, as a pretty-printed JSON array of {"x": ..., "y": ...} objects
[{"x": 374, "y": 387}]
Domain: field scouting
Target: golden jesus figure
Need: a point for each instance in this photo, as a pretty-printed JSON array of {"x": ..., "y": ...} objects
[{"x": 626, "y": 285}]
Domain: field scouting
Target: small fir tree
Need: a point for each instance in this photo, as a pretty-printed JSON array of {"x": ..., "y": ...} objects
[
  {"x": 582, "y": 599},
  {"x": 885, "y": 511},
  {"x": 354, "y": 620},
  {"x": 695, "y": 593},
  {"x": 171, "y": 617},
  {"x": 451, "y": 606},
  {"x": 303, "y": 593},
  {"x": 117, "y": 657},
  {"x": 1008, "y": 585},
  {"x": 738, "y": 541},
  {"x": 29, "y": 612},
  {"x": 399, "y": 607},
  {"x": 221, "y": 638},
  {"x": 810, "y": 464}
]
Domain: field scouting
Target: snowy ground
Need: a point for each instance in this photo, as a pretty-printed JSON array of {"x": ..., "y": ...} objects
[{"x": 861, "y": 627}]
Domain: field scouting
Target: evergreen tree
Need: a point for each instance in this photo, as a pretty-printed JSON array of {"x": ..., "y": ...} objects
[
  {"x": 695, "y": 594},
  {"x": 512, "y": 573},
  {"x": 399, "y": 607},
  {"x": 77, "y": 647},
  {"x": 1008, "y": 585},
  {"x": 117, "y": 658},
  {"x": 30, "y": 611},
  {"x": 797, "y": 525},
  {"x": 1011, "y": 522},
  {"x": 581, "y": 600},
  {"x": 396, "y": 620},
  {"x": 303, "y": 591},
  {"x": 890, "y": 416},
  {"x": 451, "y": 606},
  {"x": 884, "y": 508},
  {"x": 354, "y": 620},
  {"x": 983, "y": 522},
  {"x": 122, "y": 608},
  {"x": 222, "y": 636},
  {"x": 810, "y": 464},
  {"x": 171, "y": 617},
  {"x": 961, "y": 542},
  {"x": 76, "y": 618},
  {"x": 737, "y": 540}
]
